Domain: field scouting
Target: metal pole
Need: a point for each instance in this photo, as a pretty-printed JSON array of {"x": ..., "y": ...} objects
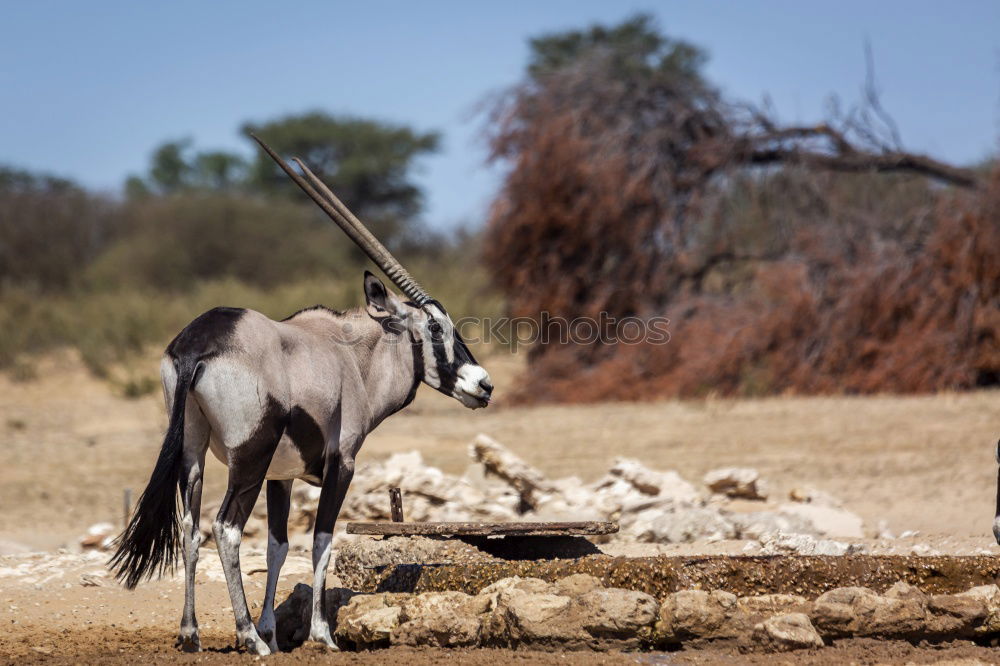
[
  {"x": 396, "y": 504},
  {"x": 126, "y": 506}
]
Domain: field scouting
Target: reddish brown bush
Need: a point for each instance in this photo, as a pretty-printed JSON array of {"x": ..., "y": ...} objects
[
  {"x": 637, "y": 197},
  {"x": 887, "y": 321}
]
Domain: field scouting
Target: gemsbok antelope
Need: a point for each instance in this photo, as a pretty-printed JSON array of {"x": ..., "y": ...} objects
[{"x": 279, "y": 401}]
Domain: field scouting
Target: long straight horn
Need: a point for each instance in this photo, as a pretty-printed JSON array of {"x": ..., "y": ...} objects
[
  {"x": 352, "y": 226},
  {"x": 389, "y": 264}
]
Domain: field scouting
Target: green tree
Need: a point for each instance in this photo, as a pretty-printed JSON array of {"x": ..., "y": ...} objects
[
  {"x": 173, "y": 167},
  {"x": 633, "y": 46},
  {"x": 219, "y": 170},
  {"x": 367, "y": 163},
  {"x": 170, "y": 168}
]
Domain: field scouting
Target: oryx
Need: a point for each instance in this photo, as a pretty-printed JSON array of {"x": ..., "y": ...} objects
[{"x": 285, "y": 400}]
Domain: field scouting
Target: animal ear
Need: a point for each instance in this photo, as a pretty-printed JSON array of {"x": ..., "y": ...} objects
[
  {"x": 375, "y": 292},
  {"x": 380, "y": 300}
]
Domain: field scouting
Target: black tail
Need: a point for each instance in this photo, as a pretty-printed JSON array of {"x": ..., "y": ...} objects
[{"x": 151, "y": 541}]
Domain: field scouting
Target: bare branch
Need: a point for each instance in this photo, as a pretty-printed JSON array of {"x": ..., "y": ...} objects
[
  {"x": 852, "y": 160},
  {"x": 871, "y": 97}
]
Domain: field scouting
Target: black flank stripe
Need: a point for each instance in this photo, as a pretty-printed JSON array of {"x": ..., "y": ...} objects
[
  {"x": 308, "y": 438},
  {"x": 249, "y": 462}
]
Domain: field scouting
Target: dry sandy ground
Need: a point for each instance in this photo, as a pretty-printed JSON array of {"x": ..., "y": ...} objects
[
  {"x": 69, "y": 446},
  {"x": 61, "y": 609}
]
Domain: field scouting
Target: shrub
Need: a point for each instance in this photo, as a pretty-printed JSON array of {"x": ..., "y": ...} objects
[
  {"x": 874, "y": 317},
  {"x": 174, "y": 242}
]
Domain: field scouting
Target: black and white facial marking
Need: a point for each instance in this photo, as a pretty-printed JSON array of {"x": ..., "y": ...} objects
[{"x": 448, "y": 365}]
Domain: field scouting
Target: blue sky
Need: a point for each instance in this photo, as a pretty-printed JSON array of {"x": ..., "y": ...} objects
[{"x": 87, "y": 89}]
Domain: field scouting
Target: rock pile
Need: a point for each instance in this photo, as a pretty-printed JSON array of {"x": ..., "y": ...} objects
[
  {"x": 578, "y": 612},
  {"x": 651, "y": 506}
]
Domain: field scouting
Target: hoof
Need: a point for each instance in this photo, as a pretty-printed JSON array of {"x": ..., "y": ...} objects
[
  {"x": 188, "y": 642},
  {"x": 267, "y": 635},
  {"x": 324, "y": 638},
  {"x": 254, "y": 645}
]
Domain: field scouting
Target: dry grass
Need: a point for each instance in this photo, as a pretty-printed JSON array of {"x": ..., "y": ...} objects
[{"x": 116, "y": 330}]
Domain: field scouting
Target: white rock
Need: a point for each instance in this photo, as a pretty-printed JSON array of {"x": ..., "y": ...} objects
[
  {"x": 99, "y": 536},
  {"x": 829, "y": 521},
  {"x": 466, "y": 494},
  {"x": 651, "y": 482},
  {"x": 644, "y": 503},
  {"x": 804, "y": 544},
  {"x": 476, "y": 476},
  {"x": 369, "y": 624},
  {"x": 612, "y": 493},
  {"x": 924, "y": 550},
  {"x": 831, "y": 547},
  {"x": 753, "y": 524},
  {"x": 774, "y": 543},
  {"x": 100, "y": 529},
  {"x": 398, "y": 465},
  {"x": 742, "y": 482},
  {"x": 686, "y": 525},
  {"x": 506, "y": 465},
  {"x": 781, "y": 633},
  {"x": 809, "y": 495},
  {"x": 883, "y": 531}
]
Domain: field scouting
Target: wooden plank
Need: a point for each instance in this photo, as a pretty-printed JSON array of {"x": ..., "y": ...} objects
[{"x": 483, "y": 529}]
